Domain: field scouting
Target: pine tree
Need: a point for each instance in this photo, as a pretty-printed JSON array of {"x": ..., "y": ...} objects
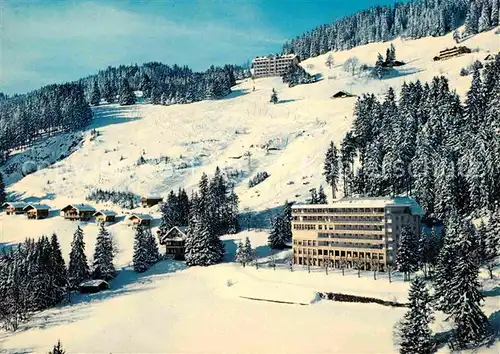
[
  {"x": 58, "y": 349},
  {"x": 484, "y": 23},
  {"x": 103, "y": 267},
  {"x": 274, "y": 97},
  {"x": 108, "y": 92},
  {"x": 202, "y": 248},
  {"x": 314, "y": 196},
  {"x": 416, "y": 336},
  {"x": 78, "y": 269},
  {"x": 492, "y": 243},
  {"x": 379, "y": 67},
  {"x": 141, "y": 258},
  {"x": 407, "y": 257},
  {"x": 276, "y": 239},
  {"x": 152, "y": 247},
  {"x": 146, "y": 86},
  {"x": 59, "y": 272},
  {"x": 331, "y": 169},
  {"x": 127, "y": 96},
  {"x": 95, "y": 97},
  {"x": 240, "y": 253},
  {"x": 2, "y": 190},
  {"x": 472, "y": 19},
  {"x": 321, "y": 198},
  {"x": 248, "y": 250},
  {"x": 287, "y": 222},
  {"x": 463, "y": 295}
]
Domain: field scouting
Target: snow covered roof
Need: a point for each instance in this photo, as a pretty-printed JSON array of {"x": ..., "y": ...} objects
[
  {"x": 95, "y": 282},
  {"x": 37, "y": 206},
  {"x": 368, "y": 202},
  {"x": 141, "y": 216},
  {"x": 79, "y": 207},
  {"x": 287, "y": 56},
  {"x": 17, "y": 205},
  {"x": 181, "y": 229},
  {"x": 105, "y": 212},
  {"x": 153, "y": 197}
]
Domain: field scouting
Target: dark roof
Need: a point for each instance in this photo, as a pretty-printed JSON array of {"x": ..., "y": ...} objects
[
  {"x": 93, "y": 283},
  {"x": 343, "y": 94}
]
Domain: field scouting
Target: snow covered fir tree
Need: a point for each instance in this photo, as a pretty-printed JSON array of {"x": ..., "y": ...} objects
[
  {"x": 103, "y": 267},
  {"x": 244, "y": 253},
  {"x": 78, "y": 267},
  {"x": 145, "y": 250},
  {"x": 416, "y": 335}
]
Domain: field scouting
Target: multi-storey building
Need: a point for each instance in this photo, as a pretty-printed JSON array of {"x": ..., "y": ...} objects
[
  {"x": 352, "y": 232},
  {"x": 273, "y": 65}
]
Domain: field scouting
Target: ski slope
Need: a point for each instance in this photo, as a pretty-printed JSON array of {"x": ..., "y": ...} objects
[{"x": 173, "y": 309}]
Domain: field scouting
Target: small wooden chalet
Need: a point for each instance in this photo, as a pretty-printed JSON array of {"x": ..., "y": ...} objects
[
  {"x": 93, "y": 286},
  {"x": 150, "y": 201},
  {"x": 490, "y": 57},
  {"x": 37, "y": 211},
  {"x": 175, "y": 242},
  {"x": 451, "y": 52},
  {"x": 140, "y": 220},
  {"x": 80, "y": 212},
  {"x": 12, "y": 208},
  {"x": 343, "y": 94},
  {"x": 105, "y": 216}
]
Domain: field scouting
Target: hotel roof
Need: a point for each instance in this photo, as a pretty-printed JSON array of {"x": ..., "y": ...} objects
[{"x": 368, "y": 202}]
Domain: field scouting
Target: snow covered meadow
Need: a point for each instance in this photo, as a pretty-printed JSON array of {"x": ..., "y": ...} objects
[{"x": 174, "y": 309}]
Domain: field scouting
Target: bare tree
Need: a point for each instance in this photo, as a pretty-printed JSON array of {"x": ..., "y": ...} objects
[
  {"x": 351, "y": 64},
  {"x": 329, "y": 61},
  {"x": 272, "y": 260}
]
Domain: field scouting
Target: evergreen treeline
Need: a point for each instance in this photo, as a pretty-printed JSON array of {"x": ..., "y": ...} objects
[
  {"x": 414, "y": 19},
  {"x": 174, "y": 212},
  {"x": 428, "y": 144},
  {"x": 160, "y": 83},
  {"x": 213, "y": 212},
  {"x": 126, "y": 200},
  {"x": 34, "y": 277},
  {"x": 41, "y": 113},
  {"x": 244, "y": 252},
  {"x": 258, "y": 178},
  {"x": 455, "y": 280},
  {"x": 296, "y": 75},
  {"x": 318, "y": 196}
]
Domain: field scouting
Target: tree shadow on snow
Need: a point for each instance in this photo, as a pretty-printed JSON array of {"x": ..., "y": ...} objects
[
  {"x": 126, "y": 282},
  {"x": 235, "y": 93},
  {"x": 105, "y": 116},
  {"x": 493, "y": 292}
]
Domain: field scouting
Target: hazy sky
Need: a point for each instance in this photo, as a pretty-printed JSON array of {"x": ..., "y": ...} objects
[{"x": 44, "y": 42}]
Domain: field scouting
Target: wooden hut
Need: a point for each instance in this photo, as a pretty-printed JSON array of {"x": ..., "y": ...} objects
[
  {"x": 105, "y": 216},
  {"x": 37, "y": 211},
  {"x": 12, "y": 208},
  {"x": 150, "y": 201},
  {"x": 79, "y": 212},
  {"x": 451, "y": 52},
  {"x": 343, "y": 94},
  {"x": 140, "y": 220},
  {"x": 175, "y": 242},
  {"x": 93, "y": 286}
]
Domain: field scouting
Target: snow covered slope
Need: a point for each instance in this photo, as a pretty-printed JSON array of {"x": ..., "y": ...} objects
[{"x": 172, "y": 309}]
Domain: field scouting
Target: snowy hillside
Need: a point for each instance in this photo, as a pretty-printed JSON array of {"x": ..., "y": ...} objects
[{"x": 172, "y": 309}]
